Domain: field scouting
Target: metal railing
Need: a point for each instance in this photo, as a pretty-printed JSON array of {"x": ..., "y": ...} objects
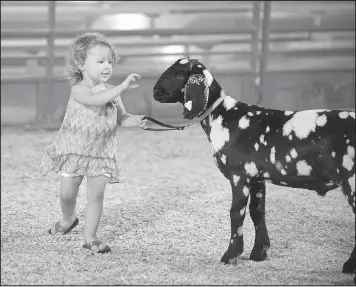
[{"x": 260, "y": 31}]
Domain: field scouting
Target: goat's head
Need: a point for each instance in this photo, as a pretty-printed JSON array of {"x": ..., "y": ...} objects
[{"x": 187, "y": 81}]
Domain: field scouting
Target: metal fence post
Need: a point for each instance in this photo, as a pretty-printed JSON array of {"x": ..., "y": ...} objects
[
  {"x": 50, "y": 60},
  {"x": 264, "y": 48},
  {"x": 255, "y": 46}
]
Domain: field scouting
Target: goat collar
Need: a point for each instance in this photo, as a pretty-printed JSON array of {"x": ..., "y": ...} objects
[{"x": 211, "y": 108}]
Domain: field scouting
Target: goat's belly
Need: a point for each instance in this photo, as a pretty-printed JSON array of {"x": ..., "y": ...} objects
[{"x": 320, "y": 186}]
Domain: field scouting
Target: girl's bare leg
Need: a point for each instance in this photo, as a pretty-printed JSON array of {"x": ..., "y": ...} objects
[
  {"x": 68, "y": 197},
  {"x": 95, "y": 197}
]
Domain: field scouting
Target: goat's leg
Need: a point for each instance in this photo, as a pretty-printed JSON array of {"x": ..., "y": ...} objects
[
  {"x": 240, "y": 193},
  {"x": 257, "y": 213},
  {"x": 349, "y": 265},
  {"x": 349, "y": 191}
]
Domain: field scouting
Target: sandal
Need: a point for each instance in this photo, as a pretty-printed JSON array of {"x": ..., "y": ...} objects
[
  {"x": 57, "y": 228},
  {"x": 97, "y": 243}
]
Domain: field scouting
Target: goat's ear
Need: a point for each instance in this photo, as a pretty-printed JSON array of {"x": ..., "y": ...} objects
[{"x": 195, "y": 98}]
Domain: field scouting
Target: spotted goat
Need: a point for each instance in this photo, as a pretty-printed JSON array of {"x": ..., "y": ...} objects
[{"x": 310, "y": 149}]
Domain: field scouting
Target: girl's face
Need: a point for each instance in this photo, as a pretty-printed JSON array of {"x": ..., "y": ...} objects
[{"x": 98, "y": 65}]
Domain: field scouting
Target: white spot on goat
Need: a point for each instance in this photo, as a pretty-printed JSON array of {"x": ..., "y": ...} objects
[
  {"x": 302, "y": 123},
  {"x": 242, "y": 211},
  {"x": 303, "y": 168},
  {"x": 239, "y": 231},
  {"x": 251, "y": 168},
  {"x": 347, "y": 160},
  {"x": 352, "y": 183},
  {"x": 250, "y": 114},
  {"x": 223, "y": 159},
  {"x": 352, "y": 114},
  {"x": 321, "y": 120},
  {"x": 267, "y": 129},
  {"x": 188, "y": 105},
  {"x": 199, "y": 66},
  {"x": 288, "y": 113},
  {"x": 184, "y": 61},
  {"x": 266, "y": 175},
  {"x": 219, "y": 135},
  {"x": 235, "y": 179},
  {"x": 244, "y": 123},
  {"x": 262, "y": 138},
  {"x": 333, "y": 154},
  {"x": 343, "y": 115},
  {"x": 290, "y": 137},
  {"x": 229, "y": 102},
  {"x": 259, "y": 194},
  {"x": 347, "y": 141},
  {"x": 279, "y": 165},
  {"x": 288, "y": 158},
  {"x": 272, "y": 155},
  {"x": 258, "y": 112},
  {"x": 293, "y": 153},
  {"x": 209, "y": 78},
  {"x": 351, "y": 151},
  {"x": 245, "y": 190},
  {"x": 256, "y": 146},
  {"x": 283, "y": 172}
]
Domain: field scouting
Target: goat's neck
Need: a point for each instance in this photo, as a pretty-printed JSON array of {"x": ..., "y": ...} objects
[{"x": 216, "y": 93}]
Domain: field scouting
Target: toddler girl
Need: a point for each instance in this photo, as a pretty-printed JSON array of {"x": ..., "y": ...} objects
[{"x": 85, "y": 144}]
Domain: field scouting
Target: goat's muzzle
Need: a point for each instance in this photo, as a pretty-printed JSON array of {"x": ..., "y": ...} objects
[
  {"x": 159, "y": 95},
  {"x": 188, "y": 115}
]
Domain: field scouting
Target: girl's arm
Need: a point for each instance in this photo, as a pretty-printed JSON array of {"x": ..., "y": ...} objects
[
  {"x": 83, "y": 95},
  {"x": 121, "y": 105},
  {"x": 119, "y": 102}
]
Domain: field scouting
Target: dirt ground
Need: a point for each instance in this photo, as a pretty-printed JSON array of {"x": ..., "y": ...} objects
[{"x": 168, "y": 223}]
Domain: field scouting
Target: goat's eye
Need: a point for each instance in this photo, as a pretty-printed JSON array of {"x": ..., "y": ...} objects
[{"x": 180, "y": 75}]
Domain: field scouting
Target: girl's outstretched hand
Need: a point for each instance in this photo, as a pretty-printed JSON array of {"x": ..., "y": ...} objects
[
  {"x": 141, "y": 122},
  {"x": 129, "y": 82},
  {"x": 133, "y": 121}
]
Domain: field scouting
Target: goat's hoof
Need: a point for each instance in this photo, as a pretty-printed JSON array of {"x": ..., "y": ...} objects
[
  {"x": 226, "y": 259},
  {"x": 258, "y": 254},
  {"x": 349, "y": 267}
]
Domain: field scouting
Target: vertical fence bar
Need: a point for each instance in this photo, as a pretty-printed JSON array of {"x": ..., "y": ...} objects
[
  {"x": 50, "y": 40},
  {"x": 255, "y": 46},
  {"x": 255, "y": 37},
  {"x": 38, "y": 103},
  {"x": 264, "y": 47},
  {"x": 50, "y": 60}
]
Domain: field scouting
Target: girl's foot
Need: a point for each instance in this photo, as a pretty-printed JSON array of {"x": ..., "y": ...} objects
[
  {"x": 97, "y": 246},
  {"x": 63, "y": 227}
]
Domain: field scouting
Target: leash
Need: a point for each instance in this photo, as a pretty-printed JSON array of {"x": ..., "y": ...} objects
[
  {"x": 171, "y": 127},
  {"x": 168, "y": 127}
]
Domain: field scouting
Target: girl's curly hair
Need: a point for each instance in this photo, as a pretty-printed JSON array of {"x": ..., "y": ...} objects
[{"x": 78, "y": 54}]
